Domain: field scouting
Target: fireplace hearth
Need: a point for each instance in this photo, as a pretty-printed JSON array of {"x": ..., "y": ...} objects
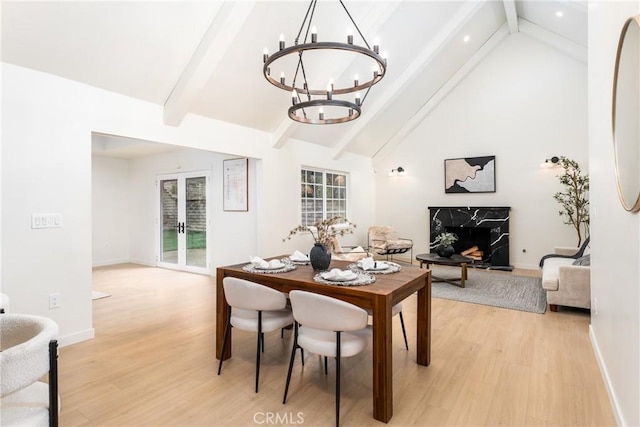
[{"x": 484, "y": 227}]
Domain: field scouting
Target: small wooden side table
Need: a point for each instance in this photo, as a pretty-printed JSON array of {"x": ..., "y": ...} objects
[{"x": 454, "y": 260}]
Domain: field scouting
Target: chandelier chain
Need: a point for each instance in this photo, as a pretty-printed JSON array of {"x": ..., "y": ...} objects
[
  {"x": 305, "y": 108},
  {"x": 354, "y": 24}
]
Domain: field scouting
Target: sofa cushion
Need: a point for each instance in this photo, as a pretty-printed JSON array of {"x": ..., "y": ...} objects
[
  {"x": 583, "y": 260},
  {"x": 550, "y": 272}
]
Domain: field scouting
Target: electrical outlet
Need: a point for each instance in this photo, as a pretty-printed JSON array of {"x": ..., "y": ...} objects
[{"x": 54, "y": 300}]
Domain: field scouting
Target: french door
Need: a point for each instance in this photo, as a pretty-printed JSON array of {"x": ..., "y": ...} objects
[{"x": 183, "y": 221}]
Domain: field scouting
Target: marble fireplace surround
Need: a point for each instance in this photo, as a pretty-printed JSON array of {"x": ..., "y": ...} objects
[{"x": 488, "y": 224}]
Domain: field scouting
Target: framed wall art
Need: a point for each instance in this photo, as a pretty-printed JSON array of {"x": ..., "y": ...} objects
[
  {"x": 470, "y": 175},
  {"x": 235, "y": 189}
]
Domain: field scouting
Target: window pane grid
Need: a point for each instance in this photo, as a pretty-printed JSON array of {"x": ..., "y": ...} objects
[{"x": 323, "y": 195}]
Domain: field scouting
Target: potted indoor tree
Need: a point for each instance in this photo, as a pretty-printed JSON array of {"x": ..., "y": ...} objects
[{"x": 574, "y": 199}]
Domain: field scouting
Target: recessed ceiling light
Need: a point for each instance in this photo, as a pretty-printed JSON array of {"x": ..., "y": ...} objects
[
  {"x": 466, "y": 38},
  {"x": 559, "y": 14}
]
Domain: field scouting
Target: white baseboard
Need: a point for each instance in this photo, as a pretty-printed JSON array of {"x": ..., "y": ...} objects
[
  {"x": 124, "y": 261},
  {"x": 77, "y": 337},
  {"x": 607, "y": 379},
  {"x": 112, "y": 262},
  {"x": 527, "y": 266},
  {"x": 143, "y": 262}
]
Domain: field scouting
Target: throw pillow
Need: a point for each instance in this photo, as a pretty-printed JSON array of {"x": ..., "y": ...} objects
[{"x": 583, "y": 260}]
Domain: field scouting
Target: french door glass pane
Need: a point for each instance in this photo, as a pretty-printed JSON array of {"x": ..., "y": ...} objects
[
  {"x": 196, "y": 221},
  {"x": 169, "y": 208}
]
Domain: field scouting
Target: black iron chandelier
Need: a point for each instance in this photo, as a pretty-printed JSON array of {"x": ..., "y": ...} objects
[{"x": 337, "y": 102}]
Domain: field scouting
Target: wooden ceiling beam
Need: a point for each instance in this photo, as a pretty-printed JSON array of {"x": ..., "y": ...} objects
[
  {"x": 370, "y": 25},
  {"x": 442, "y": 93},
  {"x": 512, "y": 15},
  {"x": 218, "y": 39},
  {"x": 423, "y": 59}
]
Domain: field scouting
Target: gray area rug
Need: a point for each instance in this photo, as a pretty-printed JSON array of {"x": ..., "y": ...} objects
[{"x": 491, "y": 288}]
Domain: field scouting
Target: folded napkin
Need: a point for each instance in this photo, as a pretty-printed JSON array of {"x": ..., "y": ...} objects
[
  {"x": 258, "y": 262},
  {"x": 337, "y": 274},
  {"x": 298, "y": 256},
  {"x": 370, "y": 264}
]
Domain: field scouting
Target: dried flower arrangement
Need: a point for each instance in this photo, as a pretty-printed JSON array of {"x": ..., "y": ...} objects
[{"x": 324, "y": 231}]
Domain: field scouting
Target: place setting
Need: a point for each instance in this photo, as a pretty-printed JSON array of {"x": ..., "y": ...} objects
[
  {"x": 259, "y": 265},
  {"x": 348, "y": 277},
  {"x": 371, "y": 266},
  {"x": 298, "y": 258}
]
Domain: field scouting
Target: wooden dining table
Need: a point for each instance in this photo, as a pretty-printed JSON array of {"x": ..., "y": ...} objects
[{"x": 379, "y": 297}]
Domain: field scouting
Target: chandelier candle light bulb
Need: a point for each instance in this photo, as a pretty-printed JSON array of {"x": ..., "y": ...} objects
[
  {"x": 281, "y": 44},
  {"x": 321, "y": 114},
  {"x": 294, "y": 97},
  {"x": 282, "y": 77},
  {"x": 355, "y": 80},
  {"x": 265, "y": 55},
  {"x": 314, "y": 35},
  {"x": 350, "y": 36}
]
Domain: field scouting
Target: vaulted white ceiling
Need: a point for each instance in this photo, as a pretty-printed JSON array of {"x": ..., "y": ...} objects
[{"x": 205, "y": 58}]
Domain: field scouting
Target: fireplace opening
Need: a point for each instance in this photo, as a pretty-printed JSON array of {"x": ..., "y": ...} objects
[
  {"x": 468, "y": 237},
  {"x": 486, "y": 227}
]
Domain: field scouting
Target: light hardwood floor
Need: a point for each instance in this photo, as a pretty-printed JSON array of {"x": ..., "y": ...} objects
[{"x": 152, "y": 363}]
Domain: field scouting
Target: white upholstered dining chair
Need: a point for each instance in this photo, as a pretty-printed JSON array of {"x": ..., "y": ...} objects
[
  {"x": 254, "y": 308},
  {"x": 328, "y": 327}
]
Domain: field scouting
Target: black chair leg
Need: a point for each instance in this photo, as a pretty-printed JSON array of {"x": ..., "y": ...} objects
[
  {"x": 337, "y": 378},
  {"x": 326, "y": 370},
  {"x": 53, "y": 383},
  {"x": 404, "y": 331},
  {"x": 224, "y": 341},
  {"x": 293, "y": 356},
  {"x": 260, "y": 346}
]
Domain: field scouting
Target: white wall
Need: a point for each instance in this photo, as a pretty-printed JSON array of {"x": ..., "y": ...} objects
[
  {"x": 46, "y": 168},
  {"x": 232, "y": 236},
  {"x": 110, "y": 210},
  {"x": 524, "y": 103},
  {"x": 615, "y": 274}
]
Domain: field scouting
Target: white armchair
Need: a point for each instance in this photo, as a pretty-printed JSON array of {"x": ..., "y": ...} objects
[{"x": 566, "y": 276}]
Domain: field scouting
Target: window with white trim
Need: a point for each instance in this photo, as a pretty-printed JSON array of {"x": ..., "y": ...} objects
[{"x": 323, "y": 194}]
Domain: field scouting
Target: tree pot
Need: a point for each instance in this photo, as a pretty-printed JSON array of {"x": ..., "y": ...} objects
[{"x": 320, "y": 257}]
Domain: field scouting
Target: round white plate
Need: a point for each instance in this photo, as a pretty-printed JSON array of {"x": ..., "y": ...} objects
[{"x": 328, "y": 276}]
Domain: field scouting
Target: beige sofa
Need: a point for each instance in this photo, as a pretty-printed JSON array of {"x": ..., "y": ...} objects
[{"x": 566, "y": 278}]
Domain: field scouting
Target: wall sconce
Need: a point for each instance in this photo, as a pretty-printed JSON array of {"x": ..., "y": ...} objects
[
  {"x": 551, "y": 163},
  {"x": 399, "y": 171}
]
